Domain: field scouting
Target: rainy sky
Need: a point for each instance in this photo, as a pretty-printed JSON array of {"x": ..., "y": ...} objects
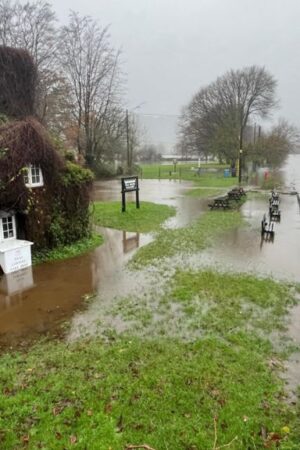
[{"x": 171, "y": 48}]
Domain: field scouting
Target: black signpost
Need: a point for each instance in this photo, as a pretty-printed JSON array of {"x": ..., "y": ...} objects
[{"x": 130, "y": 184}]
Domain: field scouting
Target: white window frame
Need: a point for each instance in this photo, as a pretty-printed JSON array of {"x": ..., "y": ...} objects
[
  {"x": 6, "y": 216},
  {"x": 29, "y": 177}
]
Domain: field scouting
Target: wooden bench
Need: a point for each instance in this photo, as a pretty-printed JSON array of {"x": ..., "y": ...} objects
[
  {"x": 267, "y": 229},
  {"x": 220, "y": 202},
  {"x": 274, "y": 213},
  {"x": 234, "y": 195}
]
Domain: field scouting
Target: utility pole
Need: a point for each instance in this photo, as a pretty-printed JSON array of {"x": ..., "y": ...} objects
[
  {"x": 127, "y": 140},
  {"x": 240, "y": 155},
  {"x": 240, "y": 165}
]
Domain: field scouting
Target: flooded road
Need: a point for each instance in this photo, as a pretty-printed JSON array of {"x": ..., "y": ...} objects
[{"x": 36, "y": 301}]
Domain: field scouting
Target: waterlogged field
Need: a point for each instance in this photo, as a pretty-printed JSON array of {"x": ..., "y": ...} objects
[{"x": 194, "y": 362}]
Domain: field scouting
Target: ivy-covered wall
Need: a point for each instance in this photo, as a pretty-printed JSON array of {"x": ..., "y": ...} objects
[
  {"x": 70, "y": 211},
  {"x": 56, "y": 213}
]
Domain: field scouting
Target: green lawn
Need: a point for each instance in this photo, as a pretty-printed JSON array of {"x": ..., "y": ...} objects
[
  {"x": 188, "y": 172},
  {"x": 148, "y": 218}
]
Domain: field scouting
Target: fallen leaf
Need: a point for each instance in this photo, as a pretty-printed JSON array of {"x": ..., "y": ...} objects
[
  {"x": 274, "y": 437},
  {"x": 108, "y": 408},
  {"x": 25, "y": 438},
  {"x": 73, "y": 439},
  {"x": 56, "y": 410},
  {"x": 89, "y": 412}
]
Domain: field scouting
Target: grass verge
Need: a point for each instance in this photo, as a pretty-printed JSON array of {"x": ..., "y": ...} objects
[
  {"x": 68, "y": 251},
  {"x": 148, "y": 218}
]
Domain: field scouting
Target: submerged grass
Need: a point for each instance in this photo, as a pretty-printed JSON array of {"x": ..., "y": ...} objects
[
  {"x": 148, "y": 218},
  {"x": 233, "y": 301},
  {"x": 192, "y": 238}
]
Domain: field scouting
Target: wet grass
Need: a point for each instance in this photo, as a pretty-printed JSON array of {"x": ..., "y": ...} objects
[
  {"x": 166, "y": 393},
  {"x": 193, "y": 238},
  {"x": 68, "y": 251},
  {"x": 148, "y": 218}
]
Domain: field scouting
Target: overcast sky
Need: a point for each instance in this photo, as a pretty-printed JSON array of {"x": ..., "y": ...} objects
[{"x": 173, "y": 47}]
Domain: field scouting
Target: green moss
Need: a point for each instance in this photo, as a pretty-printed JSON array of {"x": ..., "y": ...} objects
[{"x": 148, "y": 217}]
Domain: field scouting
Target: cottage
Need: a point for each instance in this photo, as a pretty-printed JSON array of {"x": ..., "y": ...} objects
[{"x": 44, "y": 200}]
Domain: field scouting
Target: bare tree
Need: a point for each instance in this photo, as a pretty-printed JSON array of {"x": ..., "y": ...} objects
[
  {"x": 92, "y": 68},
  {"x": 220, "y": 112},
  {"x": 273, "y": 146}
]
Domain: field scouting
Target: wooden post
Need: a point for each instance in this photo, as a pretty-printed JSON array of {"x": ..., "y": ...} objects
[{"x": 123, "y": 202}]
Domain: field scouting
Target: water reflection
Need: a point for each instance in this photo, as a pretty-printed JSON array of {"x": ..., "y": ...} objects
[
  {"x": 16, "y": 282},
  {"x": 130, "y": 241}
]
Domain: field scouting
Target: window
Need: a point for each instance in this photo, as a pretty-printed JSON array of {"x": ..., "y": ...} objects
[
  {"x": 8, "y": 227},
  {"x": 33, "y": 176}
]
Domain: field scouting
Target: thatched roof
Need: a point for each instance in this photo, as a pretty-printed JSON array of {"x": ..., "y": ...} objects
[
  {"x": 18, "y": 77},
  {"x": 25, "y": 142}
]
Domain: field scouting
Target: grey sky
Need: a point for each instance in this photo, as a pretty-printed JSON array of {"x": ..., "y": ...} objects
[{"x": 173, "y": 47}]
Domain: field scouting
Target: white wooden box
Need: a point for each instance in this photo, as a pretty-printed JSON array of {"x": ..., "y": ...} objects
[{"x": 15, "y": 254}]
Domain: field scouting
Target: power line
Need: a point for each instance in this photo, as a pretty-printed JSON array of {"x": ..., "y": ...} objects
[{"x": 157, "y": 114}]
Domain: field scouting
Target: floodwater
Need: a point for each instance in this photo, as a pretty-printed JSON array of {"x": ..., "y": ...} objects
[{"x": 38, "y": 300}]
